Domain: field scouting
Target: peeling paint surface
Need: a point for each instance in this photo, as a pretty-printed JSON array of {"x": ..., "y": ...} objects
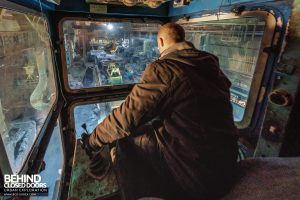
[
  {"x": 287, "y": 79},
  {"x": 217, "y": 5}
]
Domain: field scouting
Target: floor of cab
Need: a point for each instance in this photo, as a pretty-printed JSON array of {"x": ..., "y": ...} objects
[{"x": 83, "y": 186}]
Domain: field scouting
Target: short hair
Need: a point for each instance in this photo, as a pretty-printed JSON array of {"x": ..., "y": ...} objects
[{"x": 174, "y": 31}]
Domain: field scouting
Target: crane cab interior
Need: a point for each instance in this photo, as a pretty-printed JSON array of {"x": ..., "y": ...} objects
[{"x": 66, "y": 64}]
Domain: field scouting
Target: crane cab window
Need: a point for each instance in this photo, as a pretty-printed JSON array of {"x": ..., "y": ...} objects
[
  {"x": 237, "y": 43},
  {"x": 92, "y": 115},
  {"x": 52, "y": 174},
  {"x": 107, "y": 53},
  {"x": 27, "y": 84}
]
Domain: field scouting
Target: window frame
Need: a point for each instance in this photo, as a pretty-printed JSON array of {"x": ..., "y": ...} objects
[
  {"x": 257, "y": 89},
  {"x": 63, "y": 52},
  {"x": 30, "y": 157},
  {"x": 70, "y": 135}
]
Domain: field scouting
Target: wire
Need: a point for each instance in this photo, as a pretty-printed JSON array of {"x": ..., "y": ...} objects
[
  {"x": 41, "y": 7},
  {"x": 220, "y": 10}
]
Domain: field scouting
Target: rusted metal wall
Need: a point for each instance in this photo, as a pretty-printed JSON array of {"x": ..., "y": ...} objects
[
  {"x": 291, "y": 146},
  {"x": 281, "y": 99}
]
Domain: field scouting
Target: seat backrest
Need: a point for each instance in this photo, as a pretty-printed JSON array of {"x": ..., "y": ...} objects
[{"x": 267, "y": 178}]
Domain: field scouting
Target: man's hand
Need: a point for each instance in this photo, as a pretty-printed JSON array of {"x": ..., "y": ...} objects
[{"x": 86, "y": 145}]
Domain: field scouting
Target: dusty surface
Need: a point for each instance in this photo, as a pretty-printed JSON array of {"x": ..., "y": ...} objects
[{"x": 83, "y": 186}]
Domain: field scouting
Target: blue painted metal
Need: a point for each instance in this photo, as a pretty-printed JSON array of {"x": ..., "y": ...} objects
[
  {"x": 282, "y": 10},
  {"x": 35, "y": 4},
  {"x": 204, "y": 5},
  {"x": 277, "y": 117},
  {"x": 164, "y": 10},
  {"x": 81, "y": 6}
]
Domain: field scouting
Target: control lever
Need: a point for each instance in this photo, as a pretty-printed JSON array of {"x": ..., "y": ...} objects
[
  {"x": 84, "y": 128},
  {"x": 99, "y": 165}
]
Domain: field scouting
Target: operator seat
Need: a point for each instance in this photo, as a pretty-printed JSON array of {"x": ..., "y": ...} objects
[
  {"x": 259, "y": 178},
  {"x": 267, "y": 178}
]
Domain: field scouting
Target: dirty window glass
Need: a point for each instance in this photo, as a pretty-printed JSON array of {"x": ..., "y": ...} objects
[
  {"x": 92, "y": 115},
  {"x": 52, "y": 173},
  {"x": 27, "y": 84},
  {"x": 107, "y": 53},
  {"x": 236, "y": 42}
]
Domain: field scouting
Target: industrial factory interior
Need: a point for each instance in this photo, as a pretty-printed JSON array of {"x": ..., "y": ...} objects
[{"x": 65, "y": 65}]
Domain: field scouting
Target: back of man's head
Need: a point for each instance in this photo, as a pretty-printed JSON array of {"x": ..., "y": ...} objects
[
  {"x": 168, "y": 35},
  {"x": 174, "y": 32}
]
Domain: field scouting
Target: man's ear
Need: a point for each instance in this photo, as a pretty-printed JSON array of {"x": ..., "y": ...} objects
[{"x": 161, "y": 42}]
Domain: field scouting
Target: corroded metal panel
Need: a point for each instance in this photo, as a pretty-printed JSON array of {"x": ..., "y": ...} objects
[{"x": 281, "y": 98}]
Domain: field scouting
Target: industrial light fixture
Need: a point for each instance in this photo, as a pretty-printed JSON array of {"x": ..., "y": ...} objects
[{"x": 110, "y": 27}]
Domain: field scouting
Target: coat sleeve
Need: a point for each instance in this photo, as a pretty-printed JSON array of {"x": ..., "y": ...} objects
[{"x": 140, "y": 106}]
